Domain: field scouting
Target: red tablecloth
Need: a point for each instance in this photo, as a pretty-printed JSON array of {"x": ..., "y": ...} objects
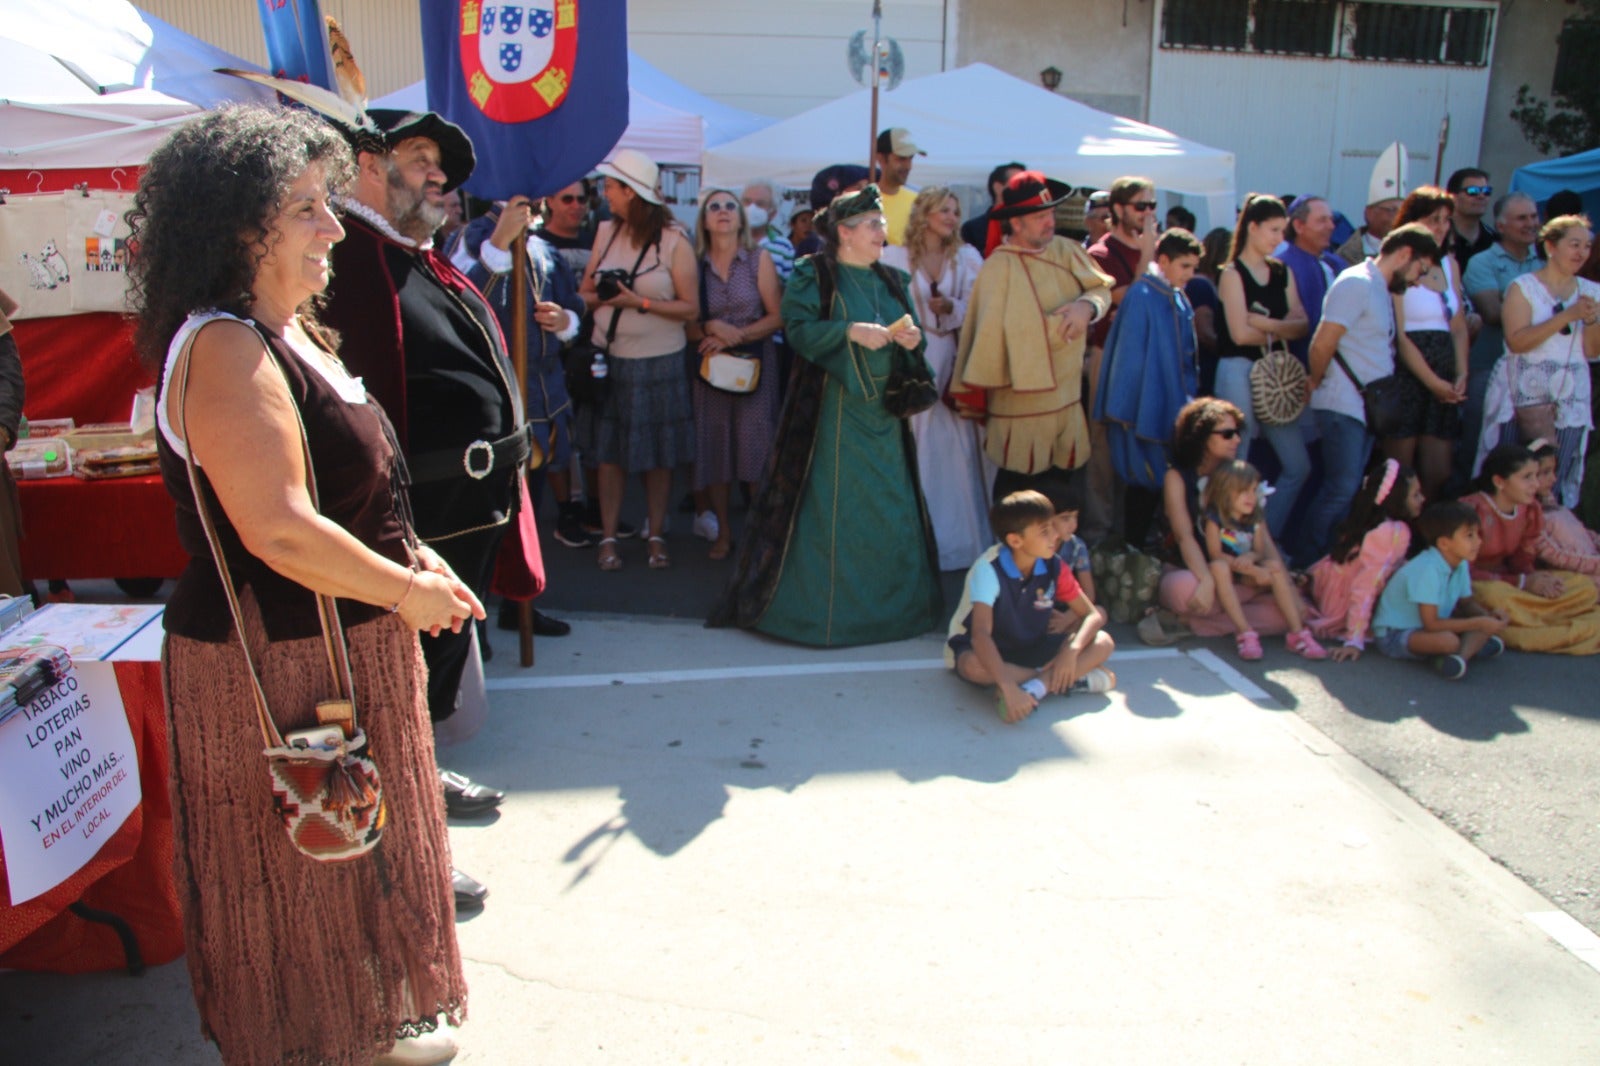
[
  {"x": 83, "y": 367},
  {"x": 121, "y": 527},
  {"x": 131, "y": 876}
]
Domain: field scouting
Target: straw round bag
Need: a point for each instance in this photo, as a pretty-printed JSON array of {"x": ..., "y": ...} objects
[{"x": 1277, "y": 386}]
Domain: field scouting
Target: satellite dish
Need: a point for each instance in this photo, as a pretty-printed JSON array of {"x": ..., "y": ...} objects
[{"x": 891, "y": 61}]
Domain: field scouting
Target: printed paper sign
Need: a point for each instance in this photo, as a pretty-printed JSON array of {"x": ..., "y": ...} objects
[{"x": 69, "y": 778}]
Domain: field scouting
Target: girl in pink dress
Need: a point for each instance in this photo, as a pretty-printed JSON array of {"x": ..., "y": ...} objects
[
  {"x": 1566, "y": 543},
  {"x": 1369, "y": 548}
]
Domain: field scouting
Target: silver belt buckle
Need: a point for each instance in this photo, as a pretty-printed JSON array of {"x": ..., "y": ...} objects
[{"x": 488, "y": 460}]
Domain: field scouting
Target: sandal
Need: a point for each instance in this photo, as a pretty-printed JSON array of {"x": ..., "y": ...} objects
[
  {"x": 1249, "y": 645},
  {"x": 607, "y": 556},
  {"x": 659, "y": 559}
]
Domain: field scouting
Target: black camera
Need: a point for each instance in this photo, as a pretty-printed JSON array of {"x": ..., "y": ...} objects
[{"x": 609, "y": 283}]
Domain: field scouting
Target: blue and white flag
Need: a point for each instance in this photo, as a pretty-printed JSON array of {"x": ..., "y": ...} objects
[
  {"x": 541, "y": 87},
  {"x": 297, "y": 41}
]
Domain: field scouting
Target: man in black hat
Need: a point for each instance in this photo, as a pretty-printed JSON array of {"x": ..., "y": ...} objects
[
  {"x": 430, "y": 351},
  {"x": 1019, "y": 364},
  {"x": 975, "y": 229}
]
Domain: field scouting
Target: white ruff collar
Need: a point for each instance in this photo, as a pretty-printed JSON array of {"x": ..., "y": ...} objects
[{"x": 378, "y": 222}]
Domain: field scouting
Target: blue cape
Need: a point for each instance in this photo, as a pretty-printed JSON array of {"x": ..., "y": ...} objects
[{"x": 1146, "y": 376}]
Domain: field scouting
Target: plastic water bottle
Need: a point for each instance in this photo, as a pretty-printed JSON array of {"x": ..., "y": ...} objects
[{"x": 598, "y": 369}]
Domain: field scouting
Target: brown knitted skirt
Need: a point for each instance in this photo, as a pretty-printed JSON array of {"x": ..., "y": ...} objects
[{"x": 295, "y": 961}]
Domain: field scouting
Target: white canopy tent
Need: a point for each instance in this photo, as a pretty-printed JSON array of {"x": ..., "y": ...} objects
[
  {"x": 97, "y": 83},
  {"x": 667, "y": 121},
  {"x": 969, "y": 120}
]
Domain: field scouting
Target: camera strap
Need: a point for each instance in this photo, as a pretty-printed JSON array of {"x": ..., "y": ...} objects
[{"x": 633, "y": 275}]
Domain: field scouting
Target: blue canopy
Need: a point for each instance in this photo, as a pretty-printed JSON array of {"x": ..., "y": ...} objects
[{"x": 1580, "y": 173}]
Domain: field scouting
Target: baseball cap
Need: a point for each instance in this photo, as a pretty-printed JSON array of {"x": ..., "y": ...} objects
[{"x": 897, "y": 141}]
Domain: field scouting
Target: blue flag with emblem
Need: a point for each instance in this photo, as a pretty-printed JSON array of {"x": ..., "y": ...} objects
[
  {"x": 297, "y": 41},
  {"x": 540, "y": 86}
]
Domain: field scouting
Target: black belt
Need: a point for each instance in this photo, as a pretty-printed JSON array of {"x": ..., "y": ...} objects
[{"x": 477, "y": 460}]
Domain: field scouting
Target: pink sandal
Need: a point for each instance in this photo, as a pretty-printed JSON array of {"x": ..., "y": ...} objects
[
  {"x": 1249, "y": 645},
  {"x": 1304, "y": 644}
]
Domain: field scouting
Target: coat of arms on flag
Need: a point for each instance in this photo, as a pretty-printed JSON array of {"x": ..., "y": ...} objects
[{"x": 518, "y": 59}]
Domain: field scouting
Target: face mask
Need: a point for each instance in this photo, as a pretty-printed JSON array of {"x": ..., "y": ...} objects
[{"x": 756, "y": 215}]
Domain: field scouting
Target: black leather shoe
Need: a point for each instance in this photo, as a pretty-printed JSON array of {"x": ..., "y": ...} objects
[
  {"x": 470, "y": 892},
  {"x": 543, "y": 624},
  {"x": 464, "y": 798}
]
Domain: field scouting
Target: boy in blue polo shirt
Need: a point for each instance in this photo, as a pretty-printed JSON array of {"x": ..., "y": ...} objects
[
  {"x": 1427, "y": 608},
  {"x": 1000, "y": 634}
]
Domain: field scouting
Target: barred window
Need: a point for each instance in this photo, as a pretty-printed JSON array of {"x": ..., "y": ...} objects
[
  {"x": 1345, "y": 29},
  {"x": 1578, "y": 45},
  {"x": 1295, "y": 27}
]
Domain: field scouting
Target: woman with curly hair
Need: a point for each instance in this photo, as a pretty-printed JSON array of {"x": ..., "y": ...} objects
[
  {"x": 1206, "y": 434},
  {"x": 955, "y": 473},
  {"x": 234, "y": 224}
]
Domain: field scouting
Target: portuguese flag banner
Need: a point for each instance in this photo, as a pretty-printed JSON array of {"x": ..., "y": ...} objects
[{"x": 541, "y": 87}]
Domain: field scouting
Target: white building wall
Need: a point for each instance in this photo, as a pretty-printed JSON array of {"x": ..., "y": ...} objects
[
  {"x": 1317, "y": 125},
  {"x": 779, "y": 57}
]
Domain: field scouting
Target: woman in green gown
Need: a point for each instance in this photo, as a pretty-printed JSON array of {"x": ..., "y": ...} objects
[{"x": 838, "y": 549}]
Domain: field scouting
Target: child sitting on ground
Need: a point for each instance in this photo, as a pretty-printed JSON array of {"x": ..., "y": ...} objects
[
  {"x": 1000, "y": 634},
  {"x": 1067, "y": 501},
  {"x": 1368, "y": 548},
  {"x": 1427, "y": 608},
  {"x": 1565, "y": 543},
  {"x": 1240, "y": 549}
]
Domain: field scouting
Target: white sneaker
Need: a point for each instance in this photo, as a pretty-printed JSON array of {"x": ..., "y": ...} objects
[
  {"x": 428, "y": 1049},
  {"x": 1097, "y": 680},
  {"x": 705, "y": 525}
]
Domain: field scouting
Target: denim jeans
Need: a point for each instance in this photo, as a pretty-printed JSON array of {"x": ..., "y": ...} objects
[
  {"x": 1345, "y": 447},
  {"x": 1288, "y": 443}
]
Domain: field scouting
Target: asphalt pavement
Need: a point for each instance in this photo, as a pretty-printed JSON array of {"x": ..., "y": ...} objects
[{"x": 719, "y": 848}]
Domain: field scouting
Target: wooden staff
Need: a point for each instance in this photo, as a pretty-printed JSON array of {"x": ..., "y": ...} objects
[{"x": 519, "y": 363}]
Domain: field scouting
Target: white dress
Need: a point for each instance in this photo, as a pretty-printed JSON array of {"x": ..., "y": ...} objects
[{"x": 956, "y": 475}]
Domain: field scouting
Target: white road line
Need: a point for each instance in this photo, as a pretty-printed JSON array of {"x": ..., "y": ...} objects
[
  {"x": 729, "y": 673},
  {"x": 1230, "y": 676},
  {"x": 1571, "y": 934}
]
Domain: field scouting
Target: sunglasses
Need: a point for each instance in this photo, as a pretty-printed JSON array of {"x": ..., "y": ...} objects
[
  {"x": 1559, "y": 307},
  {"x": 1226, "y": 434},
  {"x": 1142, "y": 205},
  {"x": 568, "y": 198},
  {"x": 722, "y": 205},
  {"x": 1478, "y": 190}
]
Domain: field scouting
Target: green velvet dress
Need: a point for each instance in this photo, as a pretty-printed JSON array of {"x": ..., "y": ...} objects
[{"x": 855, "y": 561}]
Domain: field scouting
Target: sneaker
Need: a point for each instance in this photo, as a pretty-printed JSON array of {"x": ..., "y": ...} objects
[
  {"x": 1097, "y": 680},
  {"x": 1451, "y": 667},
  {"x": 706, "y": 526},
  {"x": 1249, "y": 645},
  {"x": 1305, "y": 645},
  {"x": 1492, "y": 648},
  {"x": 1035, "y": 687},
  {"x": 569, "y": 529}
]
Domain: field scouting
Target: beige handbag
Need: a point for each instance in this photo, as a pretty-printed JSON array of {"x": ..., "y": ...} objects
[{"x": 728, "y": 372}]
